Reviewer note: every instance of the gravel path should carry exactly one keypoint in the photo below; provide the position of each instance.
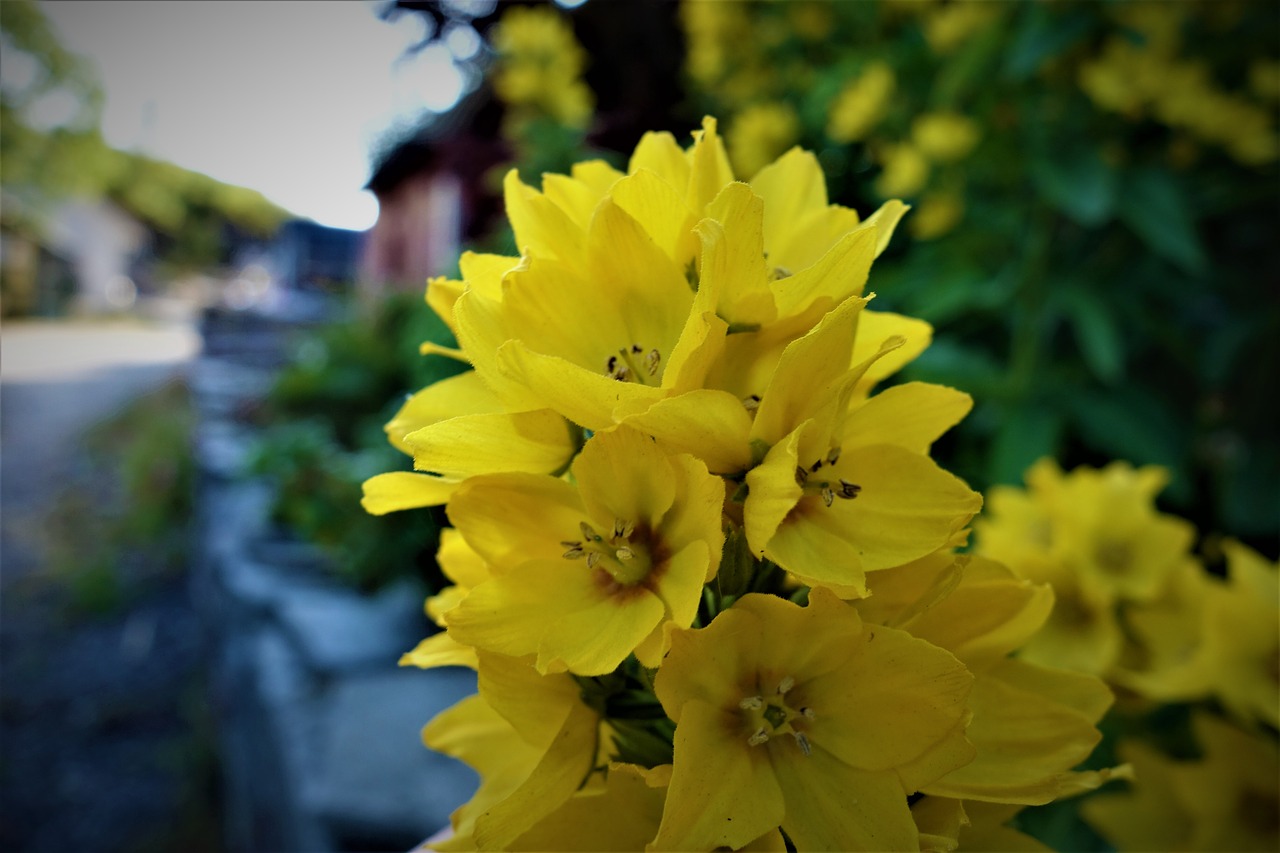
(99, 717)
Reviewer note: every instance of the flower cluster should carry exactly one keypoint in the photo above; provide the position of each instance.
(539, 67)
(705, 572)
(1135, 607)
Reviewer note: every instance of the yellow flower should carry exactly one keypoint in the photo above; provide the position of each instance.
(948, 26)
(584, 576)
(1096, 537)
(861, 104)
(937, 214)
(944, 137)
(759, 134)
(1031, 724)
(1228, 800)
(946, 825)
(530, 737)
(805, 718)
(540, 63)
(906, 171)
(1264, 78)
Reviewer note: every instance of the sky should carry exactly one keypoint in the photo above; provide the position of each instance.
(286, 98)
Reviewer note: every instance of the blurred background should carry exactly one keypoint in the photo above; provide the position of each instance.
(217, 221)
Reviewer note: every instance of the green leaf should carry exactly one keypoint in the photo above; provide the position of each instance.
(1044, 33)
(1028, 431)
(1096, 331)
(1130, 424)
(1078, 182)
(1156, 207)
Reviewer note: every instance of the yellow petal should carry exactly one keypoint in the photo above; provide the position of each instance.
(569, 615)
(439, 650)
(511, 518)
(874, 328)
(840, 273)
(539, 224)
(623, 474)
(733, 261)
(711, 425)
(723, 791)
(709, 168)
(622, 815)
(561, 770)
(397, 490)
(832, 806)
(535, 442)
(660, 153)
(586, 398)
(660, 209)
(912, 416)
(463, 394)
(442, 293)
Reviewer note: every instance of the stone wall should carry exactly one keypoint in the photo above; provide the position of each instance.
(318, 728)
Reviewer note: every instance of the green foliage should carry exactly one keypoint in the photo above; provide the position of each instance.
(323, 437)
(1106, 293)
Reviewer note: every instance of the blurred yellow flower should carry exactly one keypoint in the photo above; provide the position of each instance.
(944, 137)
(860, 105)
(947, 26)
(1228, 800)
(936, 214)
(759, 134)
(1264, 78)
(540, 64)
(906, 171)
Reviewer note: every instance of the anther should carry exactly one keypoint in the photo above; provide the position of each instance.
(803, 742)
(815, 466)
(651, 361)
(786, 684)
(592, 559)
(828, 495)
(833, 455)
(849, 490)
(637, 349)
(573, 553)
(807, 713)
(625, 553)
(760, 736)
(801, 475)
(752, 703)
(588, 533)
(751, 403)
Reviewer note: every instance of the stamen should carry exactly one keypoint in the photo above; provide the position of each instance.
(786, 684)
(568, 543)
(651, 362)
(624, 553)
(592, 559)
(751, 403)
(636, 349)
(801, 475)
(833, 456)
(815, 466)
(807, 713)
(752, 703)
(828, 496)
(780, 273)
(760, 736)
(574, 553)
(849, 490)
(803, 741)
(588, 533)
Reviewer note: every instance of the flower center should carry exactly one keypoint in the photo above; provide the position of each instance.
(768, 716)
(633, 364)
(624, 560)
(813, 482)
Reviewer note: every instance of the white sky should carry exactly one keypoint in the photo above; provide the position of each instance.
(283, 97)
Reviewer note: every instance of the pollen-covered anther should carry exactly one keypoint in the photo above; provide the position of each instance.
(828, 494)
(751, 403)
(803, 742)
(592, 559)
(623, 529)
(752, 703)
(833, 456)
(786, 684)
(758, 737)
(575, 550)
(588, 532)
(802, 476)
(651, 361)
(625, 553)
(848, 490)
(808, 714)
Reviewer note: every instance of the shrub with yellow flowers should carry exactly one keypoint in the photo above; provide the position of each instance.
(706, 573)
